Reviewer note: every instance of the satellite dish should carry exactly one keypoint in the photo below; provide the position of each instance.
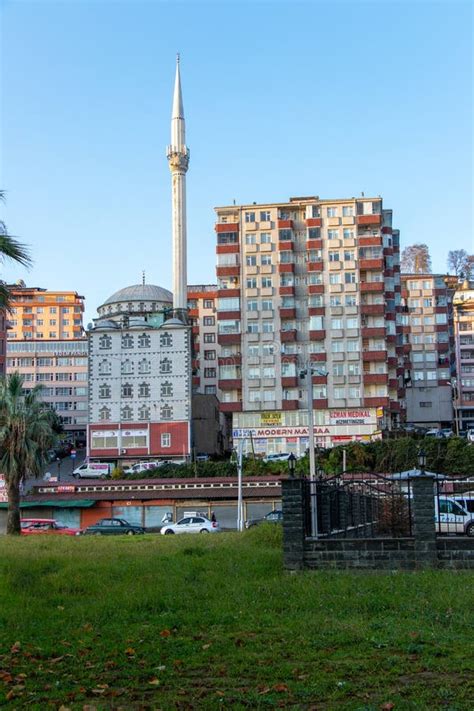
(90, 326)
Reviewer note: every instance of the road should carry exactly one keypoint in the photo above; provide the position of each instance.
(63, 471)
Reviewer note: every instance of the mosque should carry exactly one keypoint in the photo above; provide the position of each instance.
(140, 376)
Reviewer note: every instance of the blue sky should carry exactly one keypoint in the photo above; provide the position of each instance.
(281, 99)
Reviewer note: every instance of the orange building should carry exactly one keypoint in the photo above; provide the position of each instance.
(42, 314)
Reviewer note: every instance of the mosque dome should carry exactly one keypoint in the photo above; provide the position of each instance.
(139, 298)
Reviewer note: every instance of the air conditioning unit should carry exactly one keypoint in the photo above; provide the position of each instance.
(123, 451)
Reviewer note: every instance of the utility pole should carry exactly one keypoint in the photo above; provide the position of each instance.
(240, 507)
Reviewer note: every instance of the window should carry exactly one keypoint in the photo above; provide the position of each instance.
(252, 327)
(144, 412)
(166, 340)
(352, 323)
(105, 342)
(254, 396)
(210, 372)
(266, 282)
(268, 349)
(249, 217)
(331, 212)
(104, 391)
(348, 234)
(316, 300)
(336, 323)
(265, 260)
(251, 283)
(314, 232)
(209, 321)
(209, 338)
(269, 371)
(337, 346)
(53, 310)
(333, 234)
(227, 238)
(350, 300)
(104, 413)
(426, 404)
(353, 369)
(350, 278)
(165, 439)
(251, 238)
(335, 301)
(441, 319)
(127, 413)
(339, 393)
(209, 355)
(265, 216)
(229, 304)
(265, 238)
(267, 326)
(208, 303)
(352, 346)
(210, 389)
(267, 305)
(333, 256)
(354, 393)
(334, 278)
(165, 366)
(127, 390)
(347, 211)
(127, 367)
(251, 260)
(166, 389)
(252, 305)
(105, 368)
(52, 334)
(65, 322)
(338, 369)
(144, 341)
(284, 235)
(166, 412)
(349, 255)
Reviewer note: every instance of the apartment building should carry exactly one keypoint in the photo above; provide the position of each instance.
(42, 314)
(428, 349)
(308, 284)
(61, 368)
(3, 341)
(464, 334)
(202, 306)
(46, 344)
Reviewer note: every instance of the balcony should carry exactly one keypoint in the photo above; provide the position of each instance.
(316, 266)
(196, 380)
(373, 332)
(286, 268)
(287, 312)
(230, 406)
(227, 249)
(317, 310)
(227, 227)
(195, 330)
(320, 404)
(371, 264)
(314, 244)
(289, 381)
(230, 384)
(286, 245)
(289, 404)
(228, 293)
(375, 378)
(287, 290)
(376, 401)
(317, 335)
(370, 241)
(314, 222)
(369, 219)
(285, 224)
(316, 289)
(228, 270)
(372, 309)
(225, 339)
(373, 356)
(372, 287)
(286, 336)
(318, 357)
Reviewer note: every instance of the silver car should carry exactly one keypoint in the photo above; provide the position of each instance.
(191, 524)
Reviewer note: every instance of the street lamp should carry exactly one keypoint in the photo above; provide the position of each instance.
(309, 371)
(291, 465)
(421, 461)
(58, 460)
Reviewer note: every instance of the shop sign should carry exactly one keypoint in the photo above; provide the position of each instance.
(3, 489)
(351, 417)
(278, 432)
(270, 418)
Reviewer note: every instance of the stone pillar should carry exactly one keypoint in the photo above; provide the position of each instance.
(292, 491)
(424, 529)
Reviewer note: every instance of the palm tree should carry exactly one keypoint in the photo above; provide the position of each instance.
(26, 434)
(10, 248)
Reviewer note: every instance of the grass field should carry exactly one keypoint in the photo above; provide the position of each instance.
(214, 622)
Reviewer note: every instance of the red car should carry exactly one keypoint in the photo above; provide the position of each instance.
(32, 526)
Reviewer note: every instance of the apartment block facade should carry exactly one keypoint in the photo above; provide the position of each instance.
(428, 349)
(202, 307)
(309, 283)
(464, 332)
(3, 341)
(42, 314)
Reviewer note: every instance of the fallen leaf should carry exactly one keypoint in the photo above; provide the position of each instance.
(15, 648)
(60, 607)
(98, 691)
(154, 682)
(206, 646)
(280, 688)
(239, 642)
(165, 633)
(89, 707)
(5, 676)
(64, 708)
(56, 659)
(220, 693)
(263, 690)
(130, 651)
(87, 627)
(10, 695)
(388, 706)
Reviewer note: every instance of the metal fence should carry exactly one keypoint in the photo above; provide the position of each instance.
(454, 506)
(358, 506)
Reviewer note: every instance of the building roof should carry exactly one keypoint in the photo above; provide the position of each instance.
(140, 292)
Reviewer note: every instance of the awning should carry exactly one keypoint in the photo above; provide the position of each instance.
(77, 504)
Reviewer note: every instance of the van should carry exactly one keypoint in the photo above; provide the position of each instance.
(451, 517)
(92, 470)
(142, 467)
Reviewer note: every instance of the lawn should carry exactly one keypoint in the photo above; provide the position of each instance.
(209, 622)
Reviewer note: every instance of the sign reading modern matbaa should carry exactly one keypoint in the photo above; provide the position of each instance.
(270, 418)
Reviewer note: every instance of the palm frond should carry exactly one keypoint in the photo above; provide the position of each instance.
(11, 248)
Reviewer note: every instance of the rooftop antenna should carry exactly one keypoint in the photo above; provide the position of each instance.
(143, 277)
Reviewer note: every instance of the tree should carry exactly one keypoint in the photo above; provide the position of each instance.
(416, 259)
(461, 263)
(26, 434)
(10, 248)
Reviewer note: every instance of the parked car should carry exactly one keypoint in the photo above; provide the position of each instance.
(470, 435)
(271, 517)
(280, 457)
(33, 526)
(202, 457)
(92, 470)
(447, 432)
(451, 517)
(142, 467)
(111, 527)
(435, 433)
(191, 524)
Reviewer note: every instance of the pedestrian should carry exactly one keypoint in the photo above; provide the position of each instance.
(213, 518)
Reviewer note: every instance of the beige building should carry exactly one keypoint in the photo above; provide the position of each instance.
(464, 332)
(202, 307)
(42, 314)
(315, 284)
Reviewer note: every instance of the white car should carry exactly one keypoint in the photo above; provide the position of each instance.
(142, 467)
(470, 435)
(451, 517)
(92, 470)
(280, 457)
(191, 524)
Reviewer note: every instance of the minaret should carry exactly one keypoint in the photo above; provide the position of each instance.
(178, 159)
